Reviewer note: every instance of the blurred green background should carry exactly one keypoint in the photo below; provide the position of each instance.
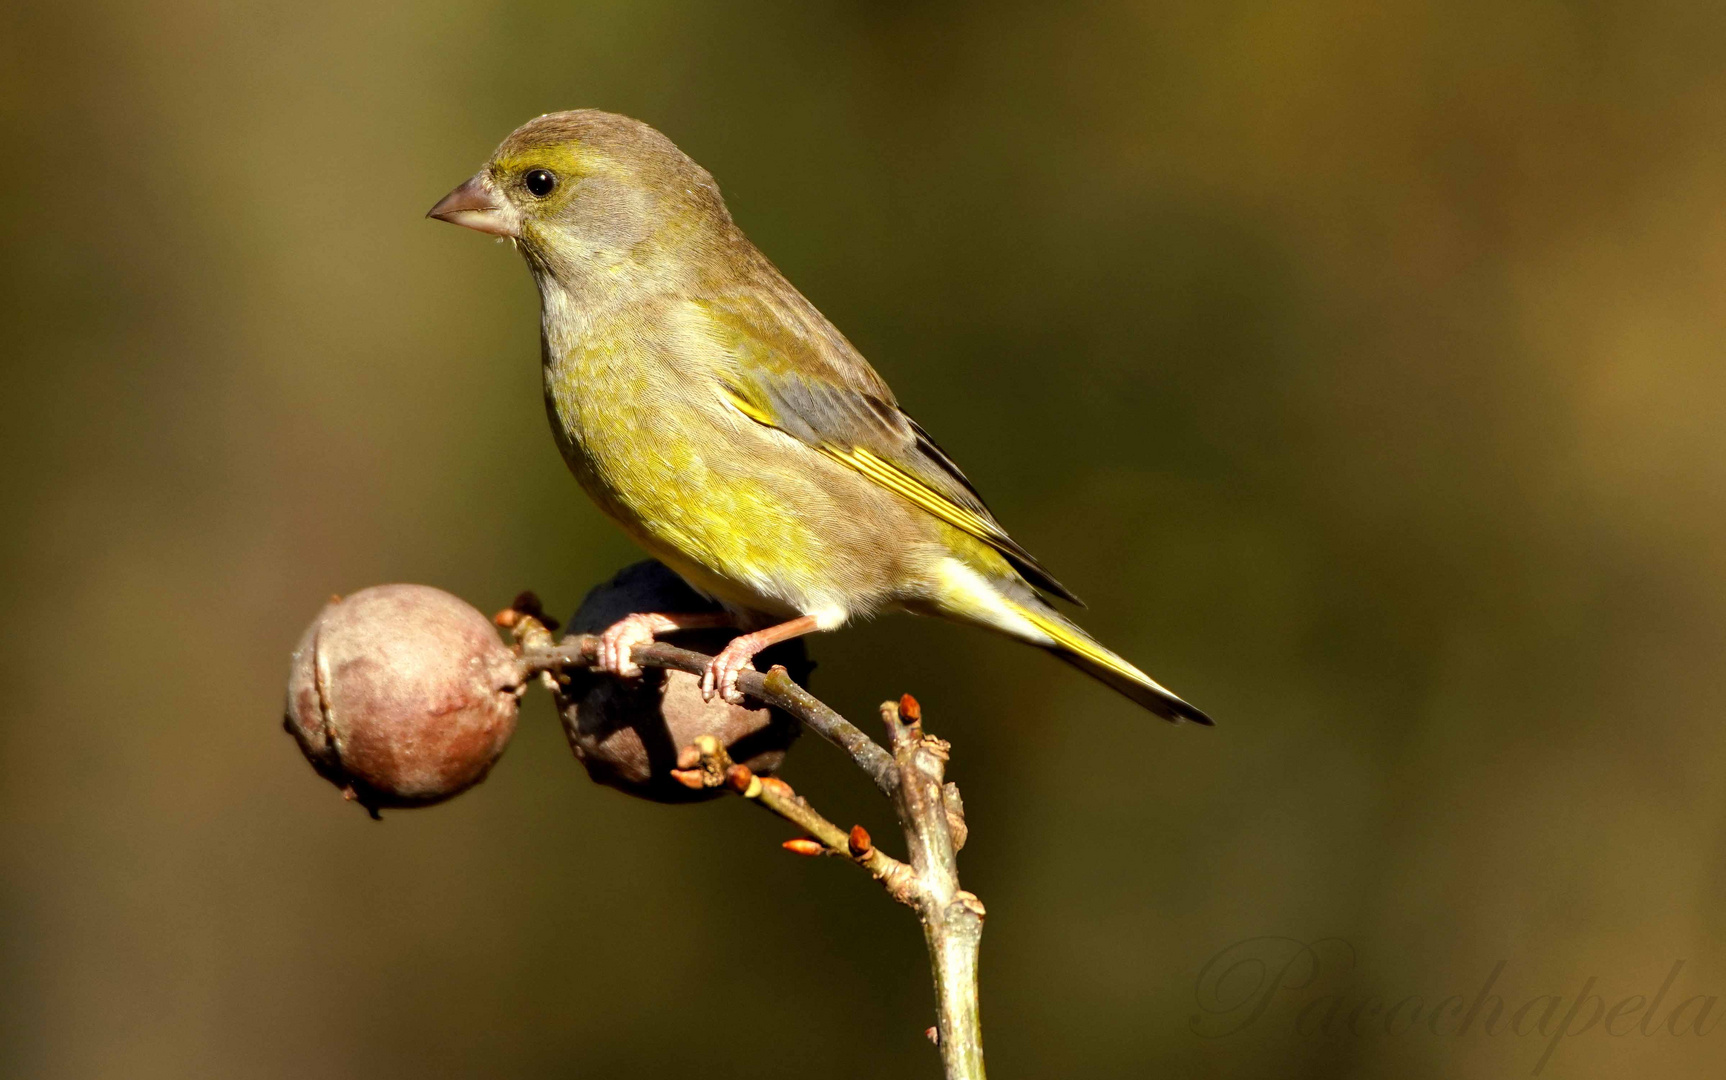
(1361, 363)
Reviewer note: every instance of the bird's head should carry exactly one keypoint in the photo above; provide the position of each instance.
(586, 189)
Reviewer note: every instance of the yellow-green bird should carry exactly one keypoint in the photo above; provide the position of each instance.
(729, 428)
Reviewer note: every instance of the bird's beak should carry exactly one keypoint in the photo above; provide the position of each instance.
(477, 205)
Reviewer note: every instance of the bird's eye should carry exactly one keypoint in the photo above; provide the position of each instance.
(539, 183)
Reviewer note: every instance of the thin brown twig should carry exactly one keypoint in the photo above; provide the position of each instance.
(706, 764)
(929, 884)
(775, 688)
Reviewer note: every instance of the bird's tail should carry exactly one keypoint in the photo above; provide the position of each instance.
(1082, 651)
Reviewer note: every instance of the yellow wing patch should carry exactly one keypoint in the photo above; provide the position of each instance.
(749, 409)
(889, 476)
(897, 480)
(975, 523)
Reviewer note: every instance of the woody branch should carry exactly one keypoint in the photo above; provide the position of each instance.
(910, 774)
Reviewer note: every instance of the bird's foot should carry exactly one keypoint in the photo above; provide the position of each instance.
(625, 634)
(620, 637)
(721, 675)
(722, 671)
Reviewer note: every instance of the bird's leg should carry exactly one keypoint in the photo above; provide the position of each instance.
(721, 675)
(640, 628)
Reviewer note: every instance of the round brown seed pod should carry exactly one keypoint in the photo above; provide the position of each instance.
(628, 732)
(402, 695)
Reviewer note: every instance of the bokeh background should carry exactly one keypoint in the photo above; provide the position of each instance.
(1360, 362)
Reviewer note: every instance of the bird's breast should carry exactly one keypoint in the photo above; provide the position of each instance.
(656, 446)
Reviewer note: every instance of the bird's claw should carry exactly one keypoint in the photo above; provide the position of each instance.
(619, 638)
(721, 675)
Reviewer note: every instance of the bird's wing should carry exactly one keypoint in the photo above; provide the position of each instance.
(790, 370)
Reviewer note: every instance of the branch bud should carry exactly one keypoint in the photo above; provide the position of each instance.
(909, 710)
(859, 842)
(738, 778)
(693, 779)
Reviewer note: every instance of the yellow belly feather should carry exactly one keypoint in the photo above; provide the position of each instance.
(679, 476)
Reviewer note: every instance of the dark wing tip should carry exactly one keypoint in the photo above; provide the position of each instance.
(1055, 588)
(1184, 711)
(1158, 701)
(1033, 570)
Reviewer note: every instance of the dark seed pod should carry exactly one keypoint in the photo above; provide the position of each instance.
(402, 695)
(628, 734)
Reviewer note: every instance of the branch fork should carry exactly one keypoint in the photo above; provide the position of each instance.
(910, 772)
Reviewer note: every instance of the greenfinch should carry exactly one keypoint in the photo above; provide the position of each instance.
(729, 428)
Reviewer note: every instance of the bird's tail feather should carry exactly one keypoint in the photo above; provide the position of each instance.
(1079, 649)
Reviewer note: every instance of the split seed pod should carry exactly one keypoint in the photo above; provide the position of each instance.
(628, 733)
(402, 695)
